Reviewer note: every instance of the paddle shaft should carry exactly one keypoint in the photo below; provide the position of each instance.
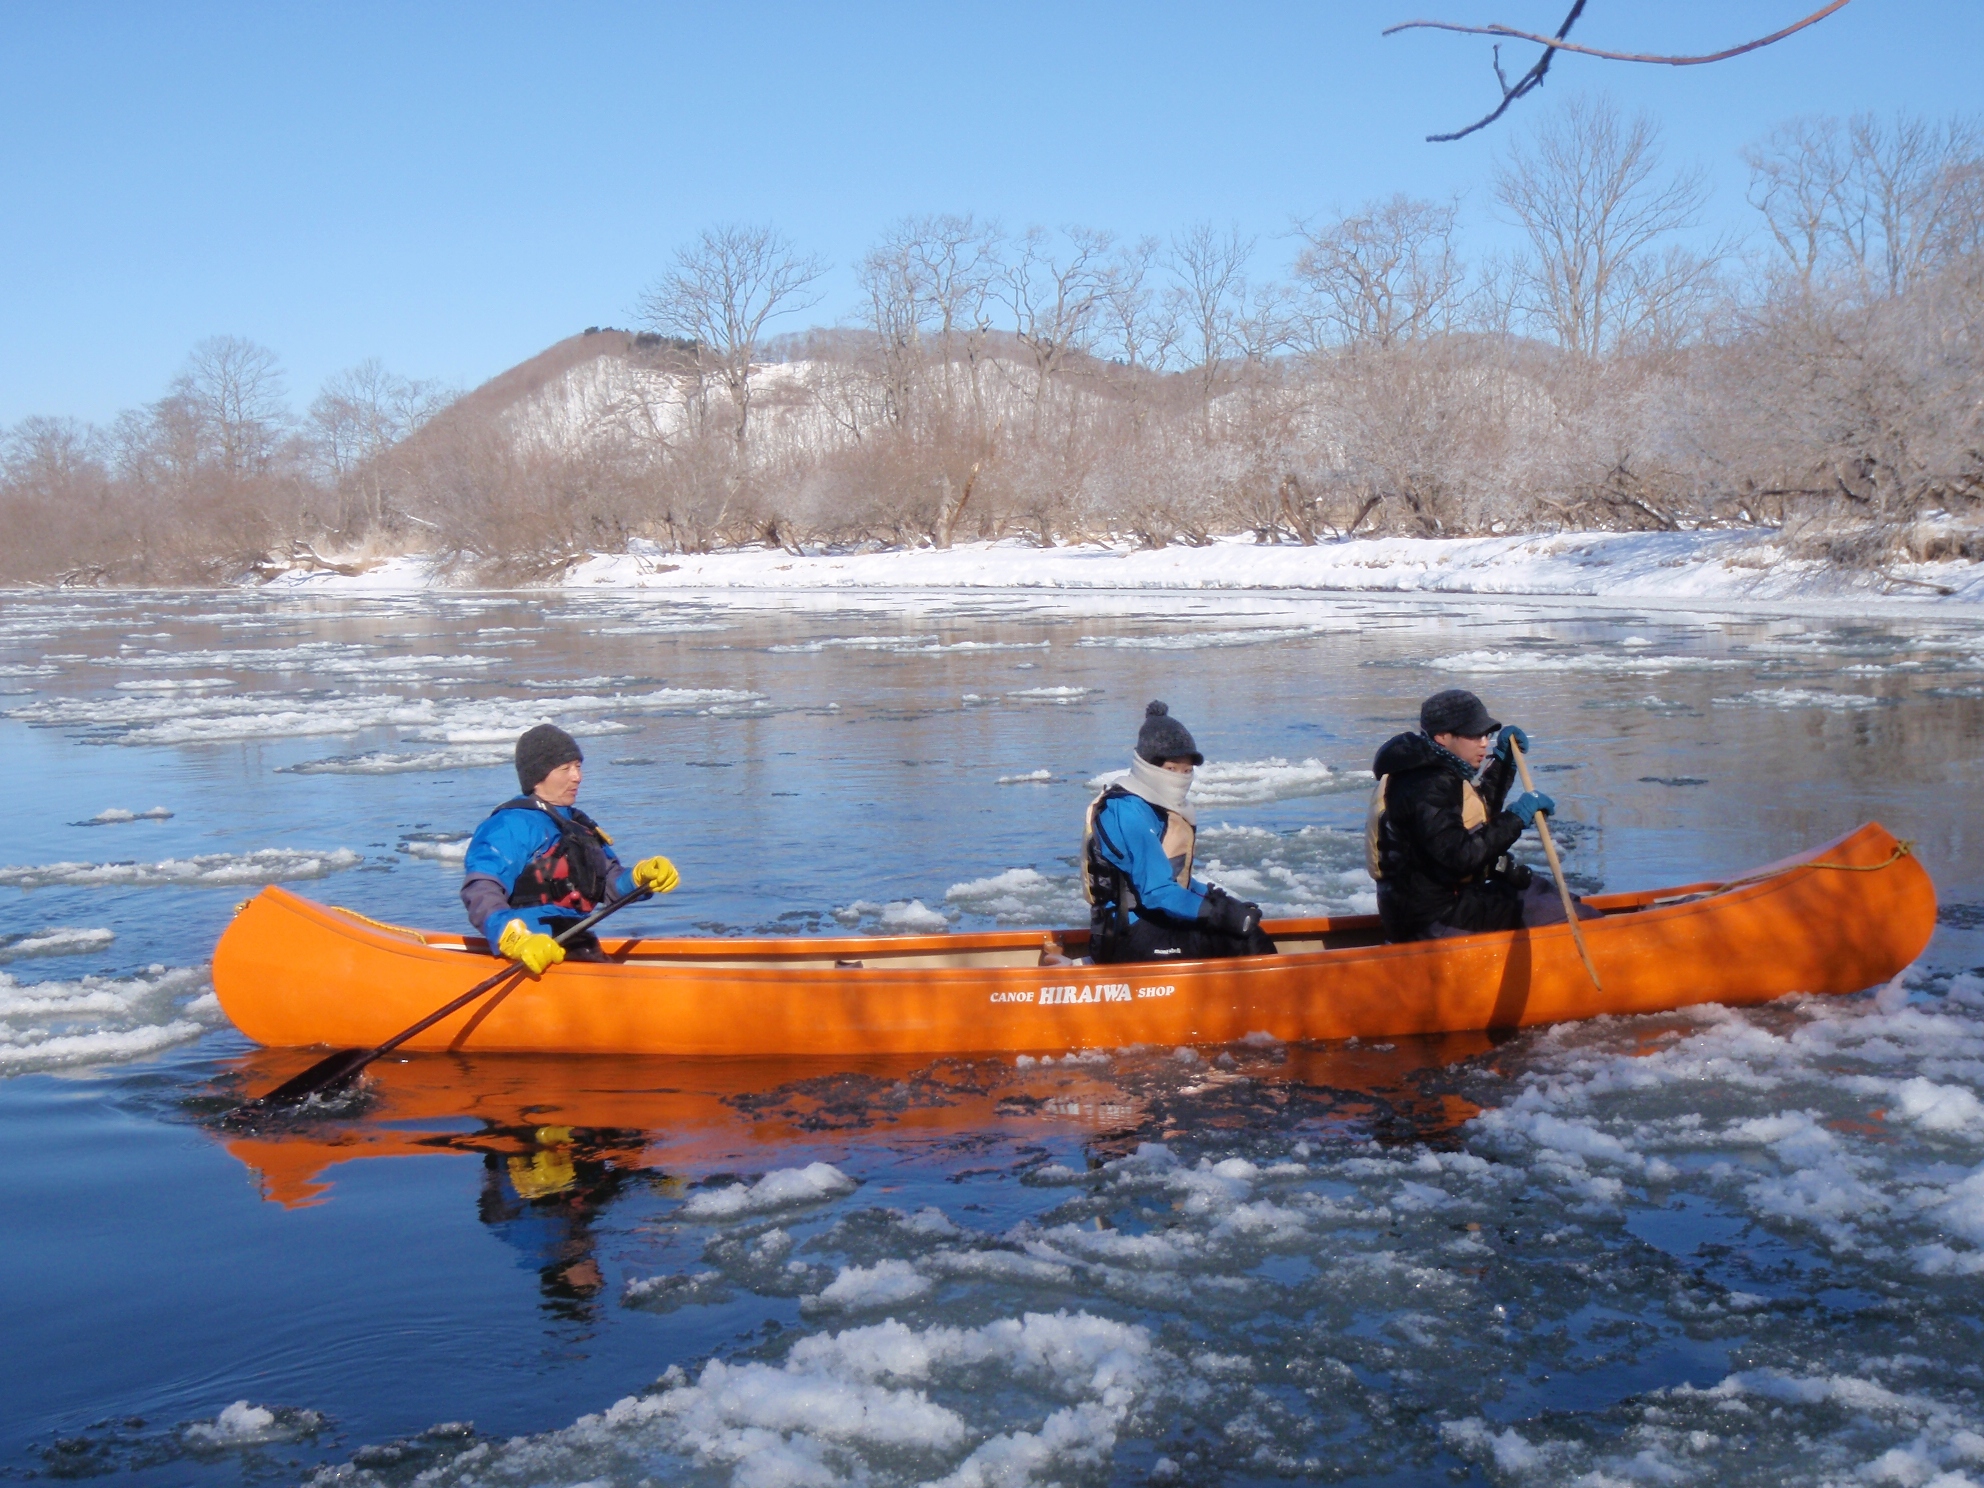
(1556, 868)
(337, 1068)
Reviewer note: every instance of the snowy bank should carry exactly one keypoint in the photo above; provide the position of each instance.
(1639, 566)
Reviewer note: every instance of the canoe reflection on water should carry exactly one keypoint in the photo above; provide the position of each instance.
(562, 1136)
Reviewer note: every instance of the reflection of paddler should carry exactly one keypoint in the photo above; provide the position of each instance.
(543, 1202)
(548, 1170)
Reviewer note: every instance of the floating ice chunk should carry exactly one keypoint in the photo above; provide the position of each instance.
(262, 866)
(1208, 639)
(1020, 895)
(115, 815)
(884, 1284)
(1805, 697)
(173, 684)
(1509, 1449)
(783, 1188)
(1053, 694)
(1037, 777)
(389, 762)
(930, 1220)
(1469, 663)
(439, 850)
(245, 1425)
(1938, 1108)
(903, 917)
(57, 942)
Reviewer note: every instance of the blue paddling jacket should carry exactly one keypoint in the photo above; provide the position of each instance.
(545, 865)
(1144, 850)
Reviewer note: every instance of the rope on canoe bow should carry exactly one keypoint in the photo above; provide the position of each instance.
(1904, 847)
(410, 934)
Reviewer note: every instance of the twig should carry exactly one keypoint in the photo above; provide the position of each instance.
(1533, 79)
(1558, 44)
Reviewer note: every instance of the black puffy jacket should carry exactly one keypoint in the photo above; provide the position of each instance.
(1434, 870)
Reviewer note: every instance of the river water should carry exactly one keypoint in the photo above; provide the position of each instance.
(1709, 1247)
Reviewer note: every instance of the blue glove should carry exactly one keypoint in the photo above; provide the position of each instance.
(1510, 733)
(1529, 803)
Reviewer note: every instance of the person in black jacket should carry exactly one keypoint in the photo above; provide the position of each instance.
(1438, 834)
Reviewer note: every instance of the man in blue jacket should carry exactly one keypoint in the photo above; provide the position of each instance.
(538, 865)
(1136, 861)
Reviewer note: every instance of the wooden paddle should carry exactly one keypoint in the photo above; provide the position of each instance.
(1556, 868)
(339, 1068)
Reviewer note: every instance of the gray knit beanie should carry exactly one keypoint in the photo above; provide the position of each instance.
(540, 751)
(1164, 738)
(1456, 711)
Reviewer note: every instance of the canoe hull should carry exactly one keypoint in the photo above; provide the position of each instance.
(1839, 919)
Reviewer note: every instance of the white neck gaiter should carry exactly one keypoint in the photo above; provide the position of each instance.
(1159, 786)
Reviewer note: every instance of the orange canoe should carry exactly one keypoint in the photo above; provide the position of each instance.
(1839, 918)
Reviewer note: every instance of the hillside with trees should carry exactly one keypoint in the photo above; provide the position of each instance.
(1823, 379)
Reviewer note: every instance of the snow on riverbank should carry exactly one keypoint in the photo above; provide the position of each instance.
(1638, 566)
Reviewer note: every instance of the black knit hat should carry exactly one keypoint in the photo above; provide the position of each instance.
(542, 750)
(1164, 738)
(1456, 711)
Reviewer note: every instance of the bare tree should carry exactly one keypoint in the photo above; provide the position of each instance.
(1591, 196)
(358, 417)
(1210, 299)
(1881, 202)
(1056, 293)
(722, 291)
(1389, 274)
(232, 391)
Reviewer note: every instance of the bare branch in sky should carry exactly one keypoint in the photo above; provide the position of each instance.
(1553, 44)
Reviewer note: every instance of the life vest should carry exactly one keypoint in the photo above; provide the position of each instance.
(571, 873)
(1104, 883)
(1473, 813)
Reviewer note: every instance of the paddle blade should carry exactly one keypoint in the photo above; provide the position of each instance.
(326, 1074)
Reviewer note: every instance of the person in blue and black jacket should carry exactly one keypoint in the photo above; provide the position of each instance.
(1137, 847)
(538, 865)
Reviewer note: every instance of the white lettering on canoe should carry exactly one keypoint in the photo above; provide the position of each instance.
(1012, 997)
(1164, 991)
(1102, 992)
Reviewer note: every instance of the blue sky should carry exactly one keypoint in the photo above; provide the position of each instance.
(452, 187)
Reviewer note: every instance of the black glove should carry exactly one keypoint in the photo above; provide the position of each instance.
(1230, 916)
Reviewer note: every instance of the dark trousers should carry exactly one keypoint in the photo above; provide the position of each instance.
(1540, 904)
(1148, 938)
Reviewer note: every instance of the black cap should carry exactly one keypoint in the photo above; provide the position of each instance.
(1456, 711)
(1164, 738)
(542, 750)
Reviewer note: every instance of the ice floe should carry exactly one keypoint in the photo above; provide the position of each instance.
(115, 816)
(265, 865)
(1805, 697)
(244, 1425)
(897, 917)
(101, 1019)
(62, 941)
(784, 1189)
(1022, 896)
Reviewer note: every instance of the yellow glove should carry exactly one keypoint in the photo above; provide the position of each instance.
(535, 951)
(657, 874)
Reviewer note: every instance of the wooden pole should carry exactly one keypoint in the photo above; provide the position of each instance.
(1556, 868)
